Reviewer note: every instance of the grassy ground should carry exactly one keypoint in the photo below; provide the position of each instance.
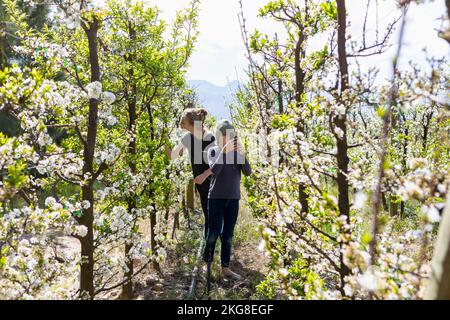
(176, 276)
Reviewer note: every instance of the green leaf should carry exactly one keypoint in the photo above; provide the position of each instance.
(366, 237)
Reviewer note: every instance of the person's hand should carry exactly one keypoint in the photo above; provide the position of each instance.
(229, 146)
(239, 147)
(200, 178)
(234, 145)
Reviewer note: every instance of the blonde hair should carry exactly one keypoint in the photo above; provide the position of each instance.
(194, 114)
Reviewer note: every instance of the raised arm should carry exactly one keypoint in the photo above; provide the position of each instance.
(246, 168)
(174, 153)
(242, 159)
(243, 162)
(177, 151)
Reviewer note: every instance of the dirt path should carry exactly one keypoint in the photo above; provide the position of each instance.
(176, 276)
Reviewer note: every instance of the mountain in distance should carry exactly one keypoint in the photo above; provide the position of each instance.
(215, 98)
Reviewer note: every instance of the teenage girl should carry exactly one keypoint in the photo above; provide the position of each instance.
(197, 141)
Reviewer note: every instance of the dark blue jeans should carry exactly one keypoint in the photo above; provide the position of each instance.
(203, 190)
(222, 217)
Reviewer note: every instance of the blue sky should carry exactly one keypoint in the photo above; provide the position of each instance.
(220, 56)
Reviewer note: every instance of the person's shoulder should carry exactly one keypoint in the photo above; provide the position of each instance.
(186, 138)
(208, 136)
(186, 135)
(213, 153)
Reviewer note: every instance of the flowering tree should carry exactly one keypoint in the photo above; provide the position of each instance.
(31, 263)
(339, 146)
(350, 171)
(151, 70)
(105, 170)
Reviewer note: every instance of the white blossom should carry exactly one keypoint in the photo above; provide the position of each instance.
(432, 213)
(359, 200)
(85, 204)
(108, 97)
(81, 230)
(368, 281)
(94, 89)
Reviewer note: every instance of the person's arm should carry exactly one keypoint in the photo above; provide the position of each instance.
(242, 159)
(243, 163)
(216, 163)
(217, 167)
(246, 168)
(212, 158)
(175, 152)
(216, 159)
(203, 176)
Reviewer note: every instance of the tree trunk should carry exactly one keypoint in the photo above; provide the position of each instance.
(186, 211)
(439, 283)
(445, 34)
(167, 210)
(190, 195)
(87, 218)
(299, 76)
(393, 208)
(153, 243)
(341, 123)
(384, 201)
(3, 57)
(426, 127)
(150, 185)
(280, 97)
(176, 224)
(447, 4)
(87, 245)
(299, 92)
(127, 288)
(402, 209)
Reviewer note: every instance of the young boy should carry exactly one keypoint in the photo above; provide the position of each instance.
(227, 160)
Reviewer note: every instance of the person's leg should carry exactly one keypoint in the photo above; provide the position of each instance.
(215, 212)
(203, 191)
(204, 202)
(229, 222)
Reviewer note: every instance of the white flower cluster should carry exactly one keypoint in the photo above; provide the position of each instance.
(133, 183)
(108, 155)
(13, 150)
(68, 165)
(38, 48)
(32, 272)
(108, 97)
(161, 255)
(107, 117)
(95, 91)
(121, 219)
(33, 267)
(421, 182)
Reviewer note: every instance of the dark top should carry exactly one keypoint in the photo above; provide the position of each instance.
(226, 169)
(198, 151)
